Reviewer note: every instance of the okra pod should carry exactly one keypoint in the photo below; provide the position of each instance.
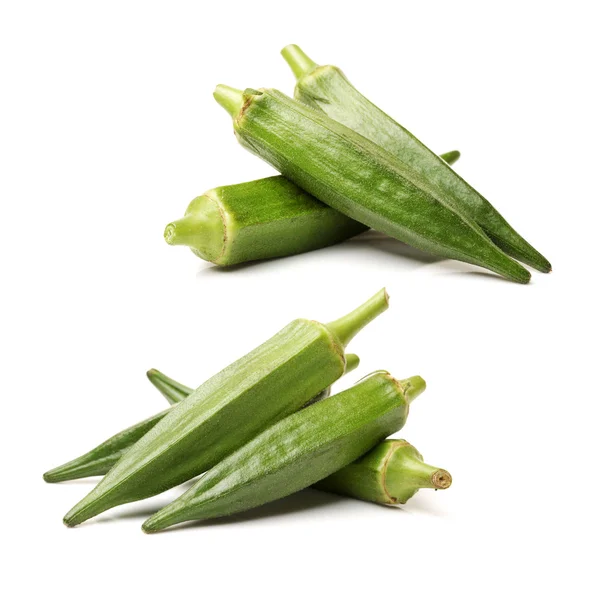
(327, 89)
(101, 459)
(231, 408)
(359, 178)
(297, 451)
(391, 473)
(266, 218)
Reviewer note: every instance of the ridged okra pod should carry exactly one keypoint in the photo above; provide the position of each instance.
(327, 89)
(101, 459)
(297, 451)
(266, 218)
(229, 409)
(391, 473)
(359, 178)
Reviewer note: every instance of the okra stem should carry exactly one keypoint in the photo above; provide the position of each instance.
(346, 327)
(183, 231)
(172, 390)
(231, 99)
(299, 62)
(352, 361)
(412, 387)
(406, 472)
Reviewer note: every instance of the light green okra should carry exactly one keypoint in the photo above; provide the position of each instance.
(231, 408)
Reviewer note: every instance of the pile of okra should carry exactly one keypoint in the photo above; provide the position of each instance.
(267, 425)
(345, 166)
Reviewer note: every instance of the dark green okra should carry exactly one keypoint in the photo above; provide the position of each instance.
(266, 218)
(101, 459)
(359, 178)
(390, 473)
(231, 408)
(327, 89)
(297, 451)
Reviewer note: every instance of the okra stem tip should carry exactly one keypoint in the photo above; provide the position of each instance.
(231, 99)
(349, 325)
(412, 387)
(352, 362)
(441, 479)
(170, 234)
(298, 61)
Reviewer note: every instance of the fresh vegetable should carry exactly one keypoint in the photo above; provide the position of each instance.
(327, 89)
(231, 408)
(391, 473)
(297, 451)
(260, 219)
(359, 178)
(101, 459)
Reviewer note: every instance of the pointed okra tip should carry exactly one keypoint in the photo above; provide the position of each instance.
(166, 517)
(51, 476)
(153, 374)
(298, 61)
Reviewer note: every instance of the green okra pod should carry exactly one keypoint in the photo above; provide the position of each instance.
(391, 473)
(266, 218)
(359, 178)
(101, 459)
(297, 451)
(229, 409)
(327, 89)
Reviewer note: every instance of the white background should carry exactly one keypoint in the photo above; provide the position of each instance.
(108, 129)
